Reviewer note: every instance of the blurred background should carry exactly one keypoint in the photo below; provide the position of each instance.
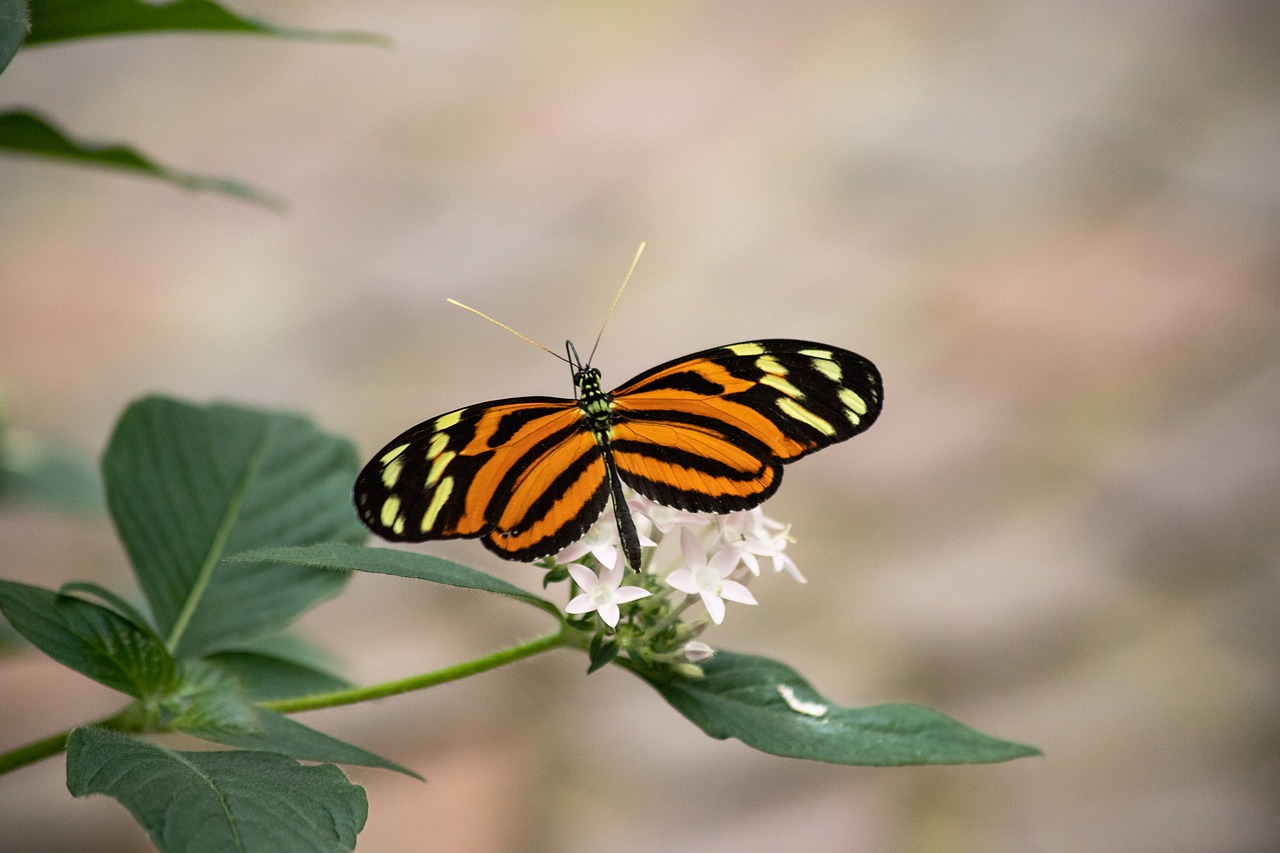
(1052, 225)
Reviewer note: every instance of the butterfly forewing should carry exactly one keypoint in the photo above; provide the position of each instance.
(454, 475)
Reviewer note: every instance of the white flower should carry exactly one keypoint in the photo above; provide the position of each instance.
(709, 578)
(603, 594)
(664, 517)
(760, 536)
(602, 541)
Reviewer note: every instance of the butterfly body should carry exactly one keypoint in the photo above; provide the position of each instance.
(708, 433)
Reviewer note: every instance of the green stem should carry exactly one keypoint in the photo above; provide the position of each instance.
(564, 637)
(50, 746)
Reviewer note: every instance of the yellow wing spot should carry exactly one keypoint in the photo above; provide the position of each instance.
(769, 364)
(439, 442)
(794, 410)
(854, 405)
(437, 467)
(782, 385)
(392, 454)
(437, 503)
(746, 349)
(390, 512)
(828, 368)
(445, 421)
(391, 472)
(822, 354)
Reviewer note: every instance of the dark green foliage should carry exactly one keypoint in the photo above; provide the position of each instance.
(219, 801)
(188, 485)
(767, 705)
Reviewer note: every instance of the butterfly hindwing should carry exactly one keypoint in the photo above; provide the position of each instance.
(710, 432)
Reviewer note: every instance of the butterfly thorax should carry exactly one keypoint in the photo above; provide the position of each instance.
(595, 402)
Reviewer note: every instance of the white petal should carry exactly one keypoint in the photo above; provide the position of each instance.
(610, 613)
(629, 593)
(606, 553)
(694, 556)
(572, 552)
(682, 579)
(735, 591)
(580, 604)
(715, 607)
(611, 575)
(784, 563)
(584, 577)
(723, 562)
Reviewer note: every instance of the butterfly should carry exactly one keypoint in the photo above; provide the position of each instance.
(709, 432)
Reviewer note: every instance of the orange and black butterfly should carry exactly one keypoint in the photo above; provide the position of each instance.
(709, 432)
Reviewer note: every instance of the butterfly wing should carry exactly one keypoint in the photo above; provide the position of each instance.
(710, 432)
(524, 473)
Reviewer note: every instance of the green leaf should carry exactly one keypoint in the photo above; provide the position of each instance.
(601, 651)
(109, 598)
(36, 471)
(57, 20)
(92, 640)
(405, 564)
(204, 697)
(265, 677)
(188, 484)
(24, 132)
(272, 732)
(290, 646)
(14, 25)
(768, 706)
(10, 639)
(211, 802)
(280, 666)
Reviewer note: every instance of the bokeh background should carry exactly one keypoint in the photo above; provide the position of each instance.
(1052, 224)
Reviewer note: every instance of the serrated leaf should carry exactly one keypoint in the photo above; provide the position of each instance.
(188, 484)
(272, 732)
(265, 677)
(14, 25)
(404, 564)
(212, 802)
(88, 638)
(25, 132)
(57, 20)
(768, 706)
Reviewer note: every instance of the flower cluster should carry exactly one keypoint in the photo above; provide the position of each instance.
(687, 559)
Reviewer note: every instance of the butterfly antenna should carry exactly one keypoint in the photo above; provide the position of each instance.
(524, 338)
(616, 297)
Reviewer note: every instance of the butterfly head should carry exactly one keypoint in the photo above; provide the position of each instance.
(587, 382)
(586, 379)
